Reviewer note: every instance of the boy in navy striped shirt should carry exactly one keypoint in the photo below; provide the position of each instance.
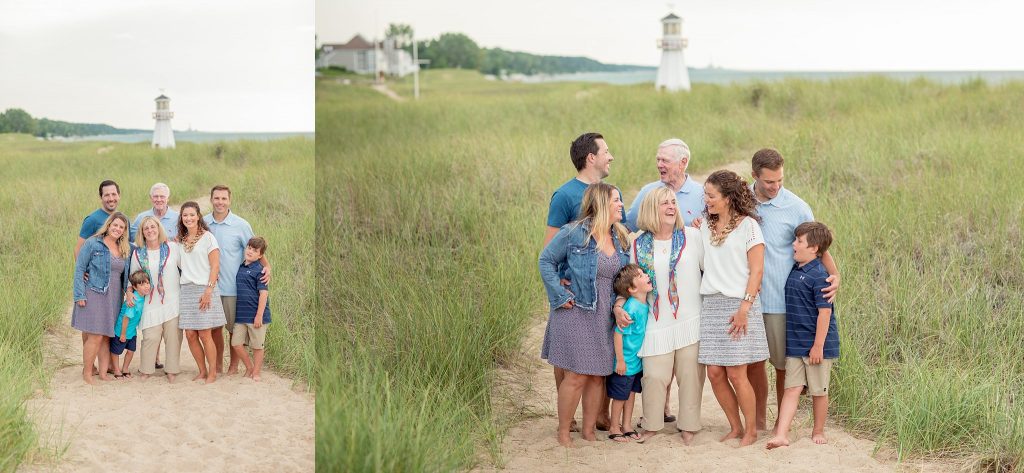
(812, 339)
(252, 309)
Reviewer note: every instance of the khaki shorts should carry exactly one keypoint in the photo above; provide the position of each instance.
(248, 334)
(229, 303)
(775, 331)
(800, 372)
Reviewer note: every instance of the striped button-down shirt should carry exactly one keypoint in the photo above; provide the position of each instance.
(779, 219)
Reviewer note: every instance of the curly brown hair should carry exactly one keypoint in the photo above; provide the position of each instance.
(734, 188)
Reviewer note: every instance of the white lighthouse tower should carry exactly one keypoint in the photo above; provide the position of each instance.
(163, 135)
(672, 73)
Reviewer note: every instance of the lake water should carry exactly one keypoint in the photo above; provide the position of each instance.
(728, 76)
(191, 136)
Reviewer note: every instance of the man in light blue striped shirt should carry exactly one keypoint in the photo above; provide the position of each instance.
(781, 211)
(673, 158)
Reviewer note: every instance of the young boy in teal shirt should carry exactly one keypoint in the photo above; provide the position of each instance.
(127, 325)
(624, 383)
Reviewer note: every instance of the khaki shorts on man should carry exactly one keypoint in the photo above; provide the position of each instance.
(800, 372)
(775, 331)
(248, 334)
(229, 303)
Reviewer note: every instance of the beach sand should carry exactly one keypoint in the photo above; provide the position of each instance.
(150, 425)
(526, 392)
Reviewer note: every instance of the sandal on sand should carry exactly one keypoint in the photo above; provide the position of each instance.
(632, 434)
(117, 376)
(127, 376)
(159, 366)
(621, 438)
(670, 418)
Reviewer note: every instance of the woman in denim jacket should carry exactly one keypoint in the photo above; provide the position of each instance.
(578, 337)
(98, 300)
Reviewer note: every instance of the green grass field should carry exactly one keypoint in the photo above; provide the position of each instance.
(49, 187)
(431, 216)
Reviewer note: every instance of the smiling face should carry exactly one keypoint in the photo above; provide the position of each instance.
(667, 210)
(189, 218)
(671, 171)
(717, 204)
(602, 161)
(110, 198)
(159, 199)
(221, 201)
(117, 228)
(767, 184)
(615, 207)
(642, 284)
(150, 231)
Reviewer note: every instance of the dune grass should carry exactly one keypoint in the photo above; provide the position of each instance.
(49, 187)
(431, 215)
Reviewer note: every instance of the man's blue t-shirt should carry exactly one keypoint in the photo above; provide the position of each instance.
(803, 299)
(92, 223)
(633, 335)
(247, 280)
(565, 203)
(133, 313)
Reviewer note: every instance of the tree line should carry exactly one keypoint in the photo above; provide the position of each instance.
(456, 50)
(16, 120)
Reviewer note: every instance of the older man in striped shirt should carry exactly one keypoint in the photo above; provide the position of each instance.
(780, 211)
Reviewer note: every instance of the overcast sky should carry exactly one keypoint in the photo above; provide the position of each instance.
(737, 34)
(227, 65)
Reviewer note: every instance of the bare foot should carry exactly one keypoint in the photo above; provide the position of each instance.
(170, 378)
(748, 439)
(565, 440)
(248, 374)
(646, 435)
(143, 376)
(777, 442)
(687, 437)
(819, 438)
(732, 434)
(199, 376)
(211, 378)
(88, 379)
(255, 376)
(231, 371)
(104, 377)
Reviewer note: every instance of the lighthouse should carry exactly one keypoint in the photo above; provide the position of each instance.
(163, 135)
(672, 73)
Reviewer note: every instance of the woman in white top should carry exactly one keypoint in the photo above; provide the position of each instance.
(732, 332)
(201, 309)
(672, 256)
(159, 258)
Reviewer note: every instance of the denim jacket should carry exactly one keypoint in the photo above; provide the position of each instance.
(571, 246)
(94, 258)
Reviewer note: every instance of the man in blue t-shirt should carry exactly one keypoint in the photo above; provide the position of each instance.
(812, 338)
(110, 197)
(673, 158)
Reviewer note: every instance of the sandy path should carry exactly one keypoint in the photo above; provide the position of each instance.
(531, 445)
(384, 89)
(150, 425)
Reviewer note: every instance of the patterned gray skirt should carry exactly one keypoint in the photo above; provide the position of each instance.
(191, 317)
(717, 348)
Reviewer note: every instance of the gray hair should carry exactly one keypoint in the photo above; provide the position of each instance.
(679, 149)
(159, 186)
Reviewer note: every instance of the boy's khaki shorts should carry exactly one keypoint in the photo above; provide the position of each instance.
(248, 334)
(800, 372)
(775, 332)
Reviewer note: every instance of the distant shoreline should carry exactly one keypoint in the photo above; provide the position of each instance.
(187, 136)
(728, 76)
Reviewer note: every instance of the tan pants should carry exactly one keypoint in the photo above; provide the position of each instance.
(151, 346)
(690, 377)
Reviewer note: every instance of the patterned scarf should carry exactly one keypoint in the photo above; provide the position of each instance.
(643, 247)
(143, 258)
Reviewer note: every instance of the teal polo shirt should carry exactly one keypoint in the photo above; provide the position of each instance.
(232, 234)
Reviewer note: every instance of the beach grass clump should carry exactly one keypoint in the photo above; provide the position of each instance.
(49, 187)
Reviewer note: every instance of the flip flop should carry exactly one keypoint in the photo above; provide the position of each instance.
(621, 438)
(127, 376)
(117, 376)
(159, 366)
(632, 434)
(670, 418)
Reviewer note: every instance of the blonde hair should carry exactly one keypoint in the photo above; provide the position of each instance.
(596, 207)
(140, 239)
(649, 218)
(122, 241)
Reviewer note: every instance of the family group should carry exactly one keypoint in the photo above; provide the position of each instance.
(166, 272)
(695, 281)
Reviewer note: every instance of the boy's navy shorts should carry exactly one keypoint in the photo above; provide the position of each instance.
(117, 347)
(619, 386)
